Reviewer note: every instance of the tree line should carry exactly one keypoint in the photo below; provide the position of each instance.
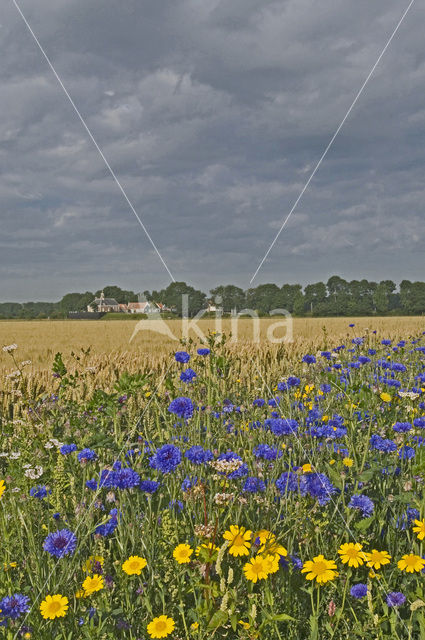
(336, 297)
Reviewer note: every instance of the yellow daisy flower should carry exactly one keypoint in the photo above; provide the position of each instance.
(2, 487)
(54, 607)
(271, 563)
(134, 565)
(376, 559)
(92, 584)
(182, 553)
(255, 569)
(347, 462)
(161, 627)
(351, 554)
(320, 569)
(410, 563)
(419, 529)
(269, 545)
(385, 397)
(239, 539)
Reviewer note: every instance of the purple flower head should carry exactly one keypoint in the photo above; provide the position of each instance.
(182, 407)
(363, 504)
(60, 543)
(266, 452)
(402, 427)
(188, 375)
(281, 426)
(395, 599)
(203, 352)
(309, 359)
(68, 448)
(166, 459)
(293, 381)
(182, 356)
(15, 606)
(406, 453)
(358, 590)
(40, 491)
(254, 485)
(198, 455)
(86, 454)
(149, 486)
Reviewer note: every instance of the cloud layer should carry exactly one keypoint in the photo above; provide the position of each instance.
(212, 115)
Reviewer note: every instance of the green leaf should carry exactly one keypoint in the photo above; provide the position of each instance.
(218, 620)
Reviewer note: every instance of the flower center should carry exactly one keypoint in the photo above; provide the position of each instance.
(55, 606)
(161, 625)
(320, 567)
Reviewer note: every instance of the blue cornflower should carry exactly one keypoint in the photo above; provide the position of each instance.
(68, 448)
(188, 375)
(254, 485)
(40, 491)
(86, 454)
(14, 606)
(309, 359)
(382, 444)
(166, 459)
(281, 426)
(402, 427)
(198, 455)
(287, 481)
(259, 402)
(395, 599)
(386, 343)
(60, 543)
(406, 453)
(182, 407)
(204, 352)
(125, 478)
(363, 503)
(293, 381)
(357, 341)
(325, 388)
(109, 527)
(266, 452)
(182, 356)
(91, 484)
(149, 486)
(358, 590)
(317, 485)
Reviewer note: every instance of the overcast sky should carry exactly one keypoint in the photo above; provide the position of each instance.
(212, 114)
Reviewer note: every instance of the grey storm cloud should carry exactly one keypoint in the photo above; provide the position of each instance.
(212, 115)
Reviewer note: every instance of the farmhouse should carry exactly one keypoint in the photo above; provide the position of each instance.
(142, 307)
(103, 305)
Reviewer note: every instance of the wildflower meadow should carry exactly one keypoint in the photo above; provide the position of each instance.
(228, 496)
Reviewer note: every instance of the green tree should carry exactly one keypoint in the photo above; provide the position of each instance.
(172, 297)
(232, 297)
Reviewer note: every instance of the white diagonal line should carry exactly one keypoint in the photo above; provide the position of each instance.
(322, 157)
(102, 155)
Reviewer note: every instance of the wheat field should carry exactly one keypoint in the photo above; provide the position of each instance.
(109, 342)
